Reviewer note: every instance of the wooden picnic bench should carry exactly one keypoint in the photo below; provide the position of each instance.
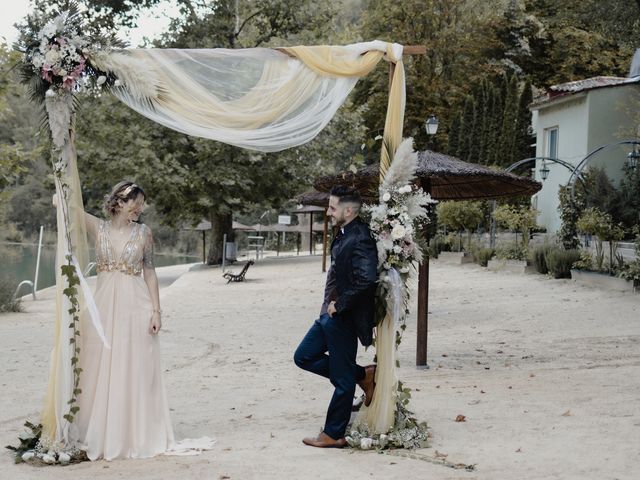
(238, 277)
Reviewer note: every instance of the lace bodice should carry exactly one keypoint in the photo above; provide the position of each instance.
(136, 253)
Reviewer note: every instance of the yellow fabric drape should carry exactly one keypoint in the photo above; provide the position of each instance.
(332, 61)
(379, 416)
(60, 387)
(392, 135)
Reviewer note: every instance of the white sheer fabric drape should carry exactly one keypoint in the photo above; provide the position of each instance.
(260, 99)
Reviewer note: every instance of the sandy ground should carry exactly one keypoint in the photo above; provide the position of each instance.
(546, 372)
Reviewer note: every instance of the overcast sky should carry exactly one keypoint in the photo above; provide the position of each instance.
(152, 23)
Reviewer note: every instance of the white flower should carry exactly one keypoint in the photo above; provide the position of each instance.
(26, 456)
(37, 60)
(48, 458)
(117, 83)
(366, 443)
(405, 189)
(383, 440)
(402, 270)
(378, 137)
(64, 458)
(397, 249)
(101, 80)
(386, 197)
(50, 93)
(398, 232)
(52, 56)
(387, 243)
(48, 31)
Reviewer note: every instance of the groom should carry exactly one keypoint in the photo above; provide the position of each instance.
(347, 314)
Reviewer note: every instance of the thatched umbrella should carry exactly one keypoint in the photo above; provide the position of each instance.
(445, 178)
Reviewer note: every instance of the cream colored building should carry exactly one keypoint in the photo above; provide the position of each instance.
(576, 118)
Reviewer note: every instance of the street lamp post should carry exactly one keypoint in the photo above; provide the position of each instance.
(632, 159)
(431, 127)
(633, 156)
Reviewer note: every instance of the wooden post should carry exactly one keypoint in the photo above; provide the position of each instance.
(310, 233)
(423, 314)
(204, 247)
(422, 320)
(325, 235)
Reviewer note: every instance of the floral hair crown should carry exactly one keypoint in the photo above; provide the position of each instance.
(127, 190)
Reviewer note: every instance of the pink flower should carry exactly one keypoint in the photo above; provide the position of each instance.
(68, 82)
(46, 75)
(408, 248)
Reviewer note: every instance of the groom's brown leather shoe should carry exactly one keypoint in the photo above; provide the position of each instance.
(368, 383)
(324, 441)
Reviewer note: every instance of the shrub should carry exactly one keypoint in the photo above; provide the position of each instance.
(511, 252)
(560, 261)
(539, 258)
(7, 302)
(438, 244)
(585, 262)
(482, 255)
(454, 239)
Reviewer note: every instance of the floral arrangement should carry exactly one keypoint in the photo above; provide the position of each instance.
(57, 55)
(37, 450)
(396, 224)
(60, 57)
(407, 432)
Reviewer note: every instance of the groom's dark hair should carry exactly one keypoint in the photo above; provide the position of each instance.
(346, 195)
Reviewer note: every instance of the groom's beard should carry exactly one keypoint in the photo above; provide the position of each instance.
(337, 222)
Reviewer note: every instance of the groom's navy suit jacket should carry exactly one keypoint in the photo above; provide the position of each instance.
(351, 280)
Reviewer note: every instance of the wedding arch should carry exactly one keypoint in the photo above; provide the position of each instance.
(261, 99)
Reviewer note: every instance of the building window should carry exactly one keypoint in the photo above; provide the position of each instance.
(552, 142)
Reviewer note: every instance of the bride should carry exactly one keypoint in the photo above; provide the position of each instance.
(123, 405)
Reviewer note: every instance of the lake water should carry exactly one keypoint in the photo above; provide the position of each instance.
(18, 262)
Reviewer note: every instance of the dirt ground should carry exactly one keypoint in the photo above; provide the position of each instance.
(546, 372)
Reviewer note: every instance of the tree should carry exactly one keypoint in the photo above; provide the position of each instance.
(593, 221)
(555, 42)
(459, 216)
(459, 43)
(518, 219)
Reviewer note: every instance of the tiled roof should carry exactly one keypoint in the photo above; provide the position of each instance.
(591, 83)
(569, 88)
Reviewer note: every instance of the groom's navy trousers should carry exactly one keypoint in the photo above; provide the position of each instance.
(338, 337)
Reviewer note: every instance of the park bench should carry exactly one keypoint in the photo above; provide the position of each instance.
(238, 277)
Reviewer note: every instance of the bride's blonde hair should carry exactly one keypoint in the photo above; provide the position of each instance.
(122, 191)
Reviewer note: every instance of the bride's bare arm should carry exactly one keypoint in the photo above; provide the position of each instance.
(151, 279)
(91, 222)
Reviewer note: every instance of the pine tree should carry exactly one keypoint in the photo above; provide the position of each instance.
(466, 129)
(524, 138)
(495, 125)
(454, 135)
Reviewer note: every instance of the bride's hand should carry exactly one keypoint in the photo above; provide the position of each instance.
(155, 324)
